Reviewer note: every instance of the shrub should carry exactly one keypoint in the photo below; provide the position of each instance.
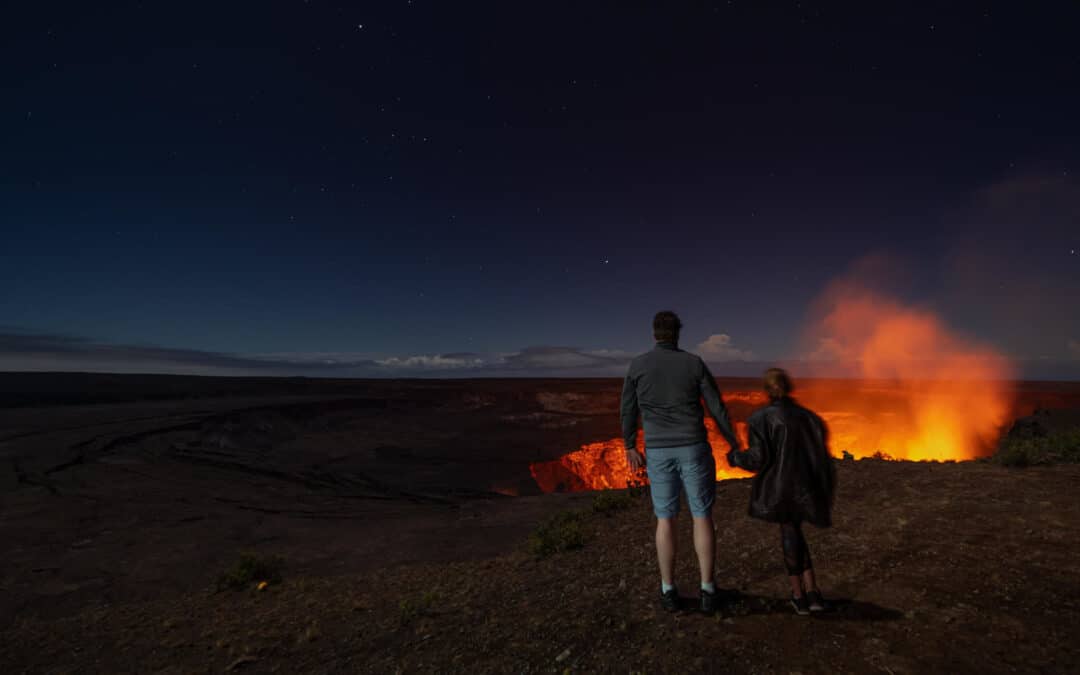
(610, 501)
(1012, 454)
(561, 532)
(250, 569)
(409, 608)
(1061, 446)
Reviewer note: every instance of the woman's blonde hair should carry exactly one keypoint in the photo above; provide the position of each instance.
(777, 383)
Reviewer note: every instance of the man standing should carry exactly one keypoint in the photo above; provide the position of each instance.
(666, 386)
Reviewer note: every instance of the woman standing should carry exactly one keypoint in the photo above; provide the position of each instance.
(795, 480)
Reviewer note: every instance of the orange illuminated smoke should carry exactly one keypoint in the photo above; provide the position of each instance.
(924, 393)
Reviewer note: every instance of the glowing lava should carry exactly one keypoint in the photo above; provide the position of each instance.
(603, 465)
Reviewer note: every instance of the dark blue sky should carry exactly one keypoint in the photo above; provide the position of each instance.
(364, 182)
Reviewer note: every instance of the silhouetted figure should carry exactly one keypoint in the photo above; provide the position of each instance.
(666, 386)
(795, 480)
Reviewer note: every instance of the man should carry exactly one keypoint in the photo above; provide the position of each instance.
(666, 386)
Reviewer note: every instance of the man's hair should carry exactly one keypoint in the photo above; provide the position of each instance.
(666, 326)
(777, 383)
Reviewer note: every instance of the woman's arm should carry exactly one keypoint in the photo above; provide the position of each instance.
(754, 458)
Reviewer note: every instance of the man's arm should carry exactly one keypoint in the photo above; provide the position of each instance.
(716, 406)
(629, 412)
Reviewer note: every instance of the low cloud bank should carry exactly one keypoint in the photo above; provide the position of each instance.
(30, 351)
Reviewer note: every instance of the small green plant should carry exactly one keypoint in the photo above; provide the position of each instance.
(250, 569)
(609, 501)
(561, 532)
(1062, 446)
(410, 608)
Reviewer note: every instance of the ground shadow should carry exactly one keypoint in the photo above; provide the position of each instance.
(735, 603)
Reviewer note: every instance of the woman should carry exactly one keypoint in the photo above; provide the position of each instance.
(794, 483)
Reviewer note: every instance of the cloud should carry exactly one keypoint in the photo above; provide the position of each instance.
(433, 362)
(564, 359)
(719, 347)
(31, 351)
(27, 351)
(319, 358)
(20, 350)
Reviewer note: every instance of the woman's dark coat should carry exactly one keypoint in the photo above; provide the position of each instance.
(789, 453)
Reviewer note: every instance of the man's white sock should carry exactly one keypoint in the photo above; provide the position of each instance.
(664, 588)
(708, 586)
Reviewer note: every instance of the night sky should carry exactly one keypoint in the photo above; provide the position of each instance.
(436, 188)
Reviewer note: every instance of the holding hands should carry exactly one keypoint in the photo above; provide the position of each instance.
(733, 456)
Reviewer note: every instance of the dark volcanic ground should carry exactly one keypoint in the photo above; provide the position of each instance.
(154, 493)
(131, 499)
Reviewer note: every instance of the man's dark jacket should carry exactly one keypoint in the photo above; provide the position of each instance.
(666, 386)
(789, 451)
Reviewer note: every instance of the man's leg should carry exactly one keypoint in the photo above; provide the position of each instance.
(664, 487)
(705, 545)
(665, 549)
(698, 472)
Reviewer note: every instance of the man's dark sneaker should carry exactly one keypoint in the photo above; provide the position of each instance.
(670, 600)
(816, 602)
(802, 608)
(710, 602)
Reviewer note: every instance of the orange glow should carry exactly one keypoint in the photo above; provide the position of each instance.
(921, 393)
(926, 393)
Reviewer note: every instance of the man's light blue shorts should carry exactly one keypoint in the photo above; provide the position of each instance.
(689, 467)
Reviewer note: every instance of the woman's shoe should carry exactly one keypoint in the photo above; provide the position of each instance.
(802, 608)
(816, 602)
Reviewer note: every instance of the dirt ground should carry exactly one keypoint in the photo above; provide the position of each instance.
(403, 552)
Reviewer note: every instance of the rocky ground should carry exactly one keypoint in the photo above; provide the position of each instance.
(402, 551)
(934, 568)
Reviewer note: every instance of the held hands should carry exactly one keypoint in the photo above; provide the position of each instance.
(732, 457)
